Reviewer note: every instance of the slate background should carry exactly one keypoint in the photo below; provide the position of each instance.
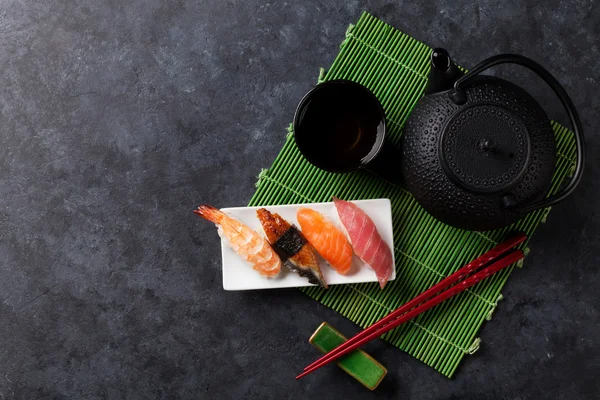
(118, 118)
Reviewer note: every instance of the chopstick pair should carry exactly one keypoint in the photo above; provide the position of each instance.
(496, 259)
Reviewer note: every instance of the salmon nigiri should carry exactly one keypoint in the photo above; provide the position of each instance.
(297, 254)
(365, 239)
(244, 241)
(326, 238)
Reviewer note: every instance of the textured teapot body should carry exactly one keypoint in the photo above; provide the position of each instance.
(472, 163)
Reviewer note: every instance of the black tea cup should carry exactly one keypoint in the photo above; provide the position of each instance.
(339, 126)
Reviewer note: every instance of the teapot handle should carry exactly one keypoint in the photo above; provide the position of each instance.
(458, 96)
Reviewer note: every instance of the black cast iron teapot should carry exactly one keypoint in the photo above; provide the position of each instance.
(478, 151)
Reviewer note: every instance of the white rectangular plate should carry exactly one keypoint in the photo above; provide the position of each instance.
(239, 275)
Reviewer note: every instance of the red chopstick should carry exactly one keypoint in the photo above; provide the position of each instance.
(416, 306)
(459, 275)
(472, 280)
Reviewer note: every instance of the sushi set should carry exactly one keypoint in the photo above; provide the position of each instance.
(305, 244)
(477, 153)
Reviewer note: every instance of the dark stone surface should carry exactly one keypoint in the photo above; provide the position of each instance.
(118, 118)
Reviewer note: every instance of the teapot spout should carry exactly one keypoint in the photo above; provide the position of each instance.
(443, 73)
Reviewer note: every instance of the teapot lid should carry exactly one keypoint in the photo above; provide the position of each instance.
(485, 147)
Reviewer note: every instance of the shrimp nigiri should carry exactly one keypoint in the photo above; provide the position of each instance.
(247, 243)
(326, 238)
(365, 239)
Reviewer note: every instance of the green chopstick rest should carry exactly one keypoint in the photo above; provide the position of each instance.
(357, 364)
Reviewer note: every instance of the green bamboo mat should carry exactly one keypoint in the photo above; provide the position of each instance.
(394, 66)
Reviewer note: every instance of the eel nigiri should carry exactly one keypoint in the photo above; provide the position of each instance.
(365, 239)
(293, 248)
(326, 238)
(244, 241)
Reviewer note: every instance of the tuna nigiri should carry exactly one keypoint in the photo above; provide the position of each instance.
(326, 238)
(297, 254)
(244, 241)
(365, 239)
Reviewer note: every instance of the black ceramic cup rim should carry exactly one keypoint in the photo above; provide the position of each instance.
(314, 92)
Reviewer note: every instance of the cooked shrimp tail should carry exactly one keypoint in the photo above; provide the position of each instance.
(210, 213)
